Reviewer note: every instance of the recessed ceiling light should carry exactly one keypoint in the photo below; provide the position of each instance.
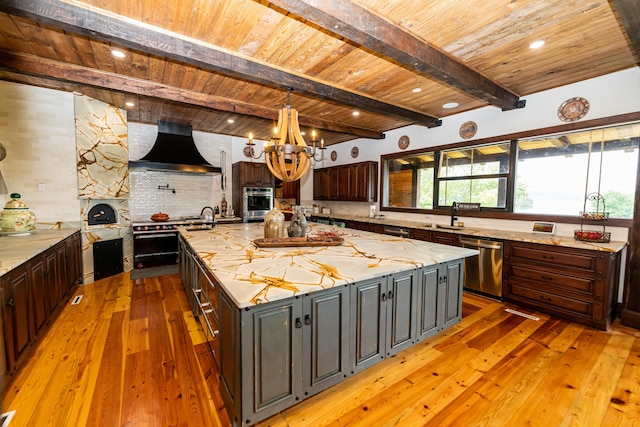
(118, 53)
(417, 90)
(537, 44)
(230, 120)
(356, 113)
(450, 105)
(129, 104)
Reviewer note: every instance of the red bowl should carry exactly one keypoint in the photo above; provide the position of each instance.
(159, 217)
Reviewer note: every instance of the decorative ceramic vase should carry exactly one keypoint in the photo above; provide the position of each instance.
(276, 215)
(294, 229)
(271, 229)
(302, 221)
(16, 216)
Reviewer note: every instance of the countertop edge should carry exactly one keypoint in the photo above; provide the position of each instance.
(21, 249)
(516, 236)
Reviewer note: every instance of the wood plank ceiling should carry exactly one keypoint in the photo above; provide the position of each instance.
(206, 62)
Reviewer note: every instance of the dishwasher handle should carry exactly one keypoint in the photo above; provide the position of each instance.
(478, 243)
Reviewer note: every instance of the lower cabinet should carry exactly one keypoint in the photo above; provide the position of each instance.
(577, 284)
(287, 350)
(383, 311)
(274, 355)
(32, 294)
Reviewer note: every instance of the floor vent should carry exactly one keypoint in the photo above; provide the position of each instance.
(5, 418)
(75, 301)
(519, 313)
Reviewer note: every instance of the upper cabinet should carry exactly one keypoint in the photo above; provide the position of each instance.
(249, 174)
(356, 182)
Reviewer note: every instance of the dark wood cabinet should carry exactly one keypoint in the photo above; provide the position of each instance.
(33, 292)
(356, 182)
(250, 174)
(577, 284)
(365, 226)
(17, 310)
(445, 238)
(287, 190)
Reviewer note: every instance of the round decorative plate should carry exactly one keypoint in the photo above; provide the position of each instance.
(247, 151)
(468, 129)
(354, 152)
(573, 109)
(403, 142)
(334, 155)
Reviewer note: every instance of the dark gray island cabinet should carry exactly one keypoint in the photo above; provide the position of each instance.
(276, 353)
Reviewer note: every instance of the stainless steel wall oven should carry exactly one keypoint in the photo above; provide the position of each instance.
(257, 201)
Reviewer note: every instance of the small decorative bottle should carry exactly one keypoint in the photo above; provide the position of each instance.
(223, 206)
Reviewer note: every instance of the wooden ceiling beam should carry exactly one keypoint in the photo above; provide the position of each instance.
(349, 20)
(69, 73)
(629, 13)
(127, 33)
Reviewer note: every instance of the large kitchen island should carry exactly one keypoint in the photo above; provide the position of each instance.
(285, 323)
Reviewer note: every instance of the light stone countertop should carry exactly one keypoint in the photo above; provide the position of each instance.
(253, 275)
(15, 250)
(518, 236)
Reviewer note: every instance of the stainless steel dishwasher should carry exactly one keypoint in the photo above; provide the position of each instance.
(483, 272)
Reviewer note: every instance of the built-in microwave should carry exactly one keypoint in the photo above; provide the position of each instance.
(257, 201)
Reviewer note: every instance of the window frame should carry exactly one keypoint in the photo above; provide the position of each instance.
(507, 213)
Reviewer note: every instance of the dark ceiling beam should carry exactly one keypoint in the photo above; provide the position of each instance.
(349, 20)
(115, 29)
(629, 13)
(69, 73)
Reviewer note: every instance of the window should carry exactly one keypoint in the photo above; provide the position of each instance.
(477, 174)
(555, 173)
(548, 175)
(410, 181)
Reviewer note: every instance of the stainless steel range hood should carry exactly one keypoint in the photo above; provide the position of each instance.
(174, 150)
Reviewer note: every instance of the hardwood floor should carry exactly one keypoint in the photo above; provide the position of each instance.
(132, 354)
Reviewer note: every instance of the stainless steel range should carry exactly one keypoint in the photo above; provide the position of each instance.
(155, 244)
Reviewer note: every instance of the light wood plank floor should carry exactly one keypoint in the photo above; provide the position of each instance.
(131, 354)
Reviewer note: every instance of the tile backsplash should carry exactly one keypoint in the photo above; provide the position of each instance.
(152, 191)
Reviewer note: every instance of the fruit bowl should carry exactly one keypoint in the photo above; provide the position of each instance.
(592, 236)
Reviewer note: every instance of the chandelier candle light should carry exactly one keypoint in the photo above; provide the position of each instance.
(288, 156)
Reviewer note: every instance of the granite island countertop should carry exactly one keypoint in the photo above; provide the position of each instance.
(518, 236)
(15, 249)
(252, 275)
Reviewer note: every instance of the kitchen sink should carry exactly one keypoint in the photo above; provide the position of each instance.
(448, 227)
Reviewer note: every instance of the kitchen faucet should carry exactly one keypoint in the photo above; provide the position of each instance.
(205, 208)
(454, 211)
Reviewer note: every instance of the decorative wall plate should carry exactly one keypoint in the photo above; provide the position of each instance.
(247, 151)
(354, 152)
(403, 142)
(573, 109)
(334, 155)
(468, 129)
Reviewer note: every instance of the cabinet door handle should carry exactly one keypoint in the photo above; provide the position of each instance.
(384, 296)
(390, 294)
(307, 319)
(547, 257)
(298, 323)
(11, 303)
(546, 278)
